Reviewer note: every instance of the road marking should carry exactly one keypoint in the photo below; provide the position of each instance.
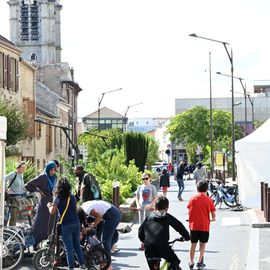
(253, 252)
(231, 221)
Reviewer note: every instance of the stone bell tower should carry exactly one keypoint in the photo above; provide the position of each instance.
(35, 29)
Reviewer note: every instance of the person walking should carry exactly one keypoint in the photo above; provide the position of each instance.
(200, 208)
(155, 233)
(180, 178)
(164, 181)
(199, 173)
(15, 190)
(45, 183)
(87, 186)
(146, 195)
(66, 205)
(109, 214)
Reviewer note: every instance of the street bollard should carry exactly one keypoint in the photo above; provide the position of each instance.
(265, 199)
(262, 197)
(268, 207)
(116, 194)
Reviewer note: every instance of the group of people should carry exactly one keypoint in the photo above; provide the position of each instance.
(57, 201)
(154, 231)
(155, 220)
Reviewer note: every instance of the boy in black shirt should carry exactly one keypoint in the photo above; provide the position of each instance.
(154, 233)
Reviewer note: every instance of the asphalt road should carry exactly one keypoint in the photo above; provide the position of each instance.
(227, 248)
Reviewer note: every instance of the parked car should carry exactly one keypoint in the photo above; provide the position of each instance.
(159, 166)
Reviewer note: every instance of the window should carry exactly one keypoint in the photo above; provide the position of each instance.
(8, 72)
(48, 139)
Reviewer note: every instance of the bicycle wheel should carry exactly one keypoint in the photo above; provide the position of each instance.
(97, 259)
(43, 259)
(215, 198)
(13, 250)
(233, 203)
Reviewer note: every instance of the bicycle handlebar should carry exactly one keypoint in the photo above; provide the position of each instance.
(181, 239)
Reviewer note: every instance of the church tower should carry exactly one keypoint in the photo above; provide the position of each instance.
(35, 29)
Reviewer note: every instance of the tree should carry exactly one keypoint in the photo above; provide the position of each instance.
(193, 127)
(17, 123)
(152, 156)
(136, 148)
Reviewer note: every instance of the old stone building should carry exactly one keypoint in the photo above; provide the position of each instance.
(35, 30)
(17, 83)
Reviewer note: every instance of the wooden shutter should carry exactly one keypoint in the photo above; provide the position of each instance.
(48, 139)
(12, 74)
(5, 71)
(16, 76)
(8, 72)
(31, 117)
(1, 70)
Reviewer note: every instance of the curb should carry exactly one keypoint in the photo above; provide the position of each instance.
(257, 220)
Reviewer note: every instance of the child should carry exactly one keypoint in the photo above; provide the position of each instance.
(154, 233)
(200, 207)
(145, 198)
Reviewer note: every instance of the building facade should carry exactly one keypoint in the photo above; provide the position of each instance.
(145, 124)
(35, 30)
(104, 119)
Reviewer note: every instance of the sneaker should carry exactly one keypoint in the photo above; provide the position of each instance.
(179, 198)
(83, 266)
(200, 266)
(191, 265)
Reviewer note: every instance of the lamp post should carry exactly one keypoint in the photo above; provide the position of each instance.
(211, 118)
(230, 56)
(245, 94)
(100, 100)
(127, 109)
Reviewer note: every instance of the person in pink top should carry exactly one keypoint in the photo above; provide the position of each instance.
(200, 208)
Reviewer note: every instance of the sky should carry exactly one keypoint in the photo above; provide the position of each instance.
(144, 47)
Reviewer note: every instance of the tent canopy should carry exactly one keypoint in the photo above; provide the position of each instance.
(253, 164)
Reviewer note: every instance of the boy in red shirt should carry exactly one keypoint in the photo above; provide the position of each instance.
(200, 207)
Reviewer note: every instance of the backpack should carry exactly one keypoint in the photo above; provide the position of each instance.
(92, 186)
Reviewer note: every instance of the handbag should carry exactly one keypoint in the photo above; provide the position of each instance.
(59, 223)
(7, 195)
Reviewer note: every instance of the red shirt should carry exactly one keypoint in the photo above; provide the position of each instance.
(200, 207)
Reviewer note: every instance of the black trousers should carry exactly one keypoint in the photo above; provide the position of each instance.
(166, 253)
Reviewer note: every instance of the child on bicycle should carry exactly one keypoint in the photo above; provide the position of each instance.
(154, 233)
(200, 207)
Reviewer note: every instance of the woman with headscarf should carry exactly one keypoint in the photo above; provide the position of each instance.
(44, 184)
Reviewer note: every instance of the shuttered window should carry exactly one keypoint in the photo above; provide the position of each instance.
(29, 110)
(1, 70)
(48, 139)
(8, 72)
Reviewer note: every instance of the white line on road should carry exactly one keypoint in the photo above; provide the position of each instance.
(231, 221)
(253, 252)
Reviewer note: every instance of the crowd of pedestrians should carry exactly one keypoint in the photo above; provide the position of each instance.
(71, 211)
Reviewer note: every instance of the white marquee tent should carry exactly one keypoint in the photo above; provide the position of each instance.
(253, 164)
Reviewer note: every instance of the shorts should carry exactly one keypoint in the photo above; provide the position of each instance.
(201, 236)
(164, 189)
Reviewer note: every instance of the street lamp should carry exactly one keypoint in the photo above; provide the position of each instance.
(100, 100)
(230, 56)
(127, 109)
(211, 118)
(245, 94)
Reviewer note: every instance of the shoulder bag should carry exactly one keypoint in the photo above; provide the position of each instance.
(59, 223)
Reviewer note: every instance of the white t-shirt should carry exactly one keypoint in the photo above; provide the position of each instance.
(101, 207)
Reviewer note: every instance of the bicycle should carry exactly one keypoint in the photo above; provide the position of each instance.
(226, 194)
(154, 263)
(53, 255)
(16, 239)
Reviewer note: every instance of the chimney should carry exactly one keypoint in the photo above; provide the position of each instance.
(72, 73)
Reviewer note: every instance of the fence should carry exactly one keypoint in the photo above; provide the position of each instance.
(265, 200)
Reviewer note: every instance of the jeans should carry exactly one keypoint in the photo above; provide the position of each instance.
(111, 220)
(71, 238)
(181, 185)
